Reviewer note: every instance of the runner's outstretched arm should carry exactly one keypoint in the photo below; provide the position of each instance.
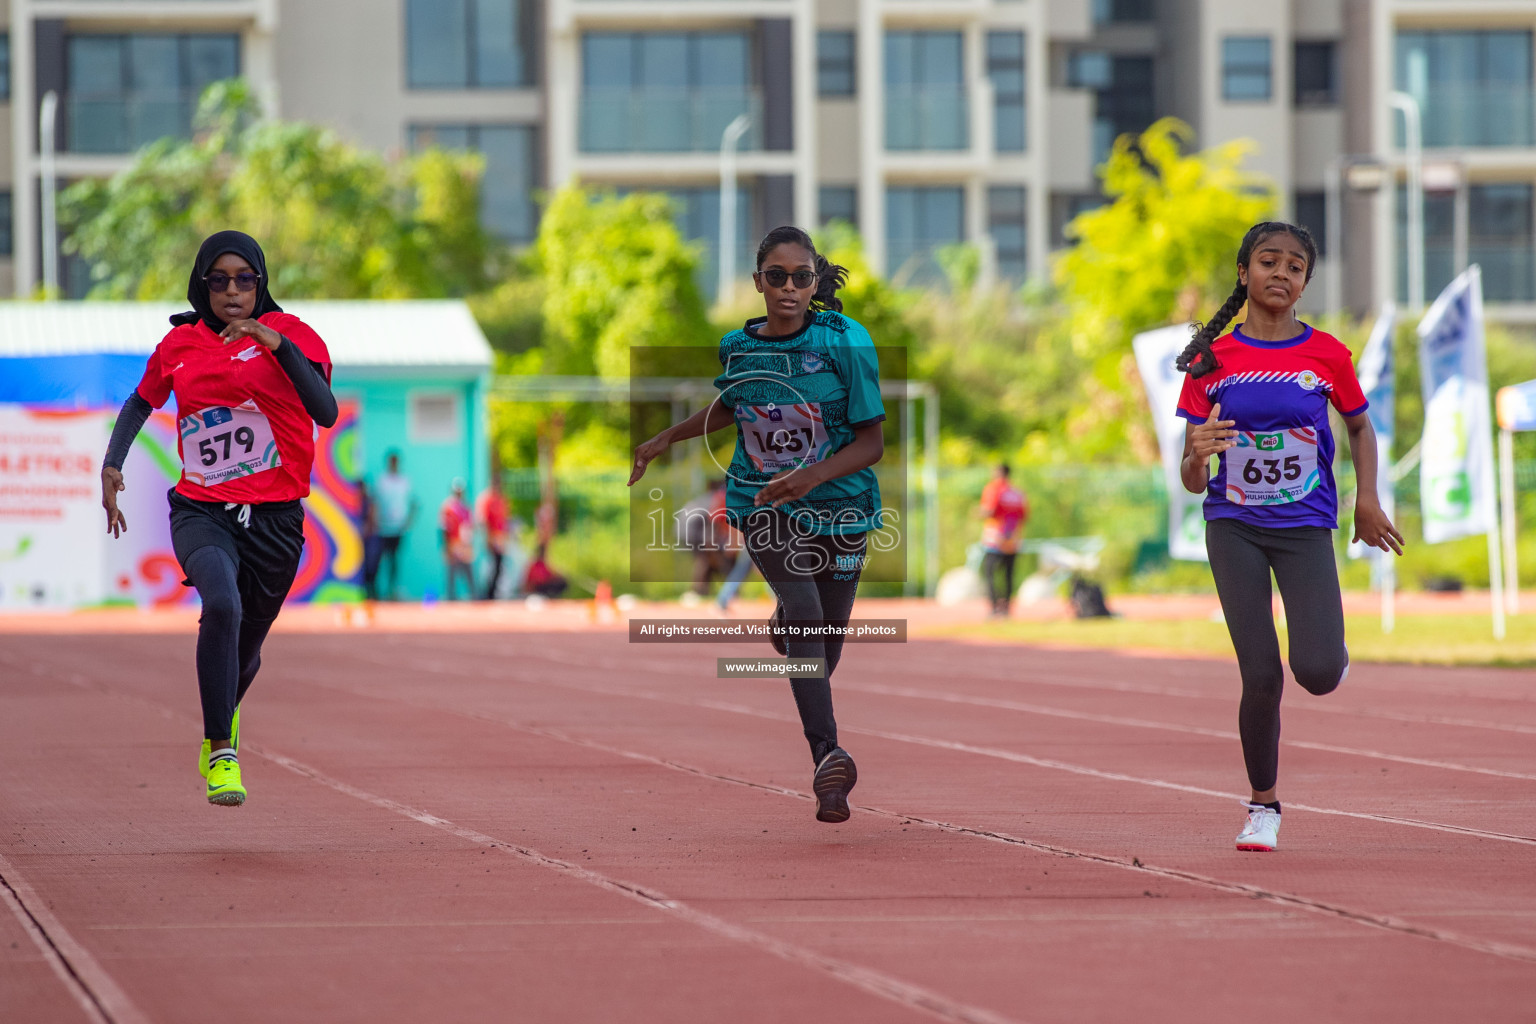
(130, 420)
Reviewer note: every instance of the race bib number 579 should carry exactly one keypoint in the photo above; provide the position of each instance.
(1272, 469)
(221, 443)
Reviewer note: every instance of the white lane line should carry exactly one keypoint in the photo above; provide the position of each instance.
(83, 977)
(1143, 723)
(966, 748)
(1286, 899)
(877, 983)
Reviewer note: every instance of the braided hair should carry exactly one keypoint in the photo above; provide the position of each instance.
(1198, 357)
(829, 276)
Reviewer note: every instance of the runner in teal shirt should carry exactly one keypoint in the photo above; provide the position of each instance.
(802, 387)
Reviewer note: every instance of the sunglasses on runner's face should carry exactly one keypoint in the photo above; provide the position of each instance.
(776, 277)
(245, 280)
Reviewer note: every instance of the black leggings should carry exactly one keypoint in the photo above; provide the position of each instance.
(1242, 556)
(815, 579)
(242, 560)
(990, 563)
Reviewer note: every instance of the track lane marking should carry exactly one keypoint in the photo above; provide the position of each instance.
(1384, 922)
(87, 982)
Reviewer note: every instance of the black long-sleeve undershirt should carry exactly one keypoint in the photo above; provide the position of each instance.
(307, 378)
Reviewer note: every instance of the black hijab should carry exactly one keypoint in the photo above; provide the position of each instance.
(216, 245)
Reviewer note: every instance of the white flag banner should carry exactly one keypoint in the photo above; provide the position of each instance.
(1378, 381)
(1155, 355)
(1456, 479)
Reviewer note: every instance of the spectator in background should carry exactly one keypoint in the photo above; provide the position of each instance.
(702, 528)
(458, 536)
(541, 579)
(395, 509)
(368, 526)
(491, 513)
(1005, 509)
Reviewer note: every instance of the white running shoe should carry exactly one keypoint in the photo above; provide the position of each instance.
(1262, 833)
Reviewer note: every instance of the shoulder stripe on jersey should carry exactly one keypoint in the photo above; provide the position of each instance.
(1259, 377)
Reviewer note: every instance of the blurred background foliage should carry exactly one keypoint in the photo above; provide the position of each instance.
(1042, 377)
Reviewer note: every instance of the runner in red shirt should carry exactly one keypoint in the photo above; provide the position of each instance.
(251, 384)
(458, 535)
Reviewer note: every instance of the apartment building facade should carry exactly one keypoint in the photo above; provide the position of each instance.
(924, 122)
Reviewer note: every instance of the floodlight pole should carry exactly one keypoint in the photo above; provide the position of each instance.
(1413, 139)
(728, 140)
(47, 118)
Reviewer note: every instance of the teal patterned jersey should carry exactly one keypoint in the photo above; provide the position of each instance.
(797, 400)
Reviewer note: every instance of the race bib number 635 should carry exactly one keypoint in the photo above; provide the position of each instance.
(1272, 469)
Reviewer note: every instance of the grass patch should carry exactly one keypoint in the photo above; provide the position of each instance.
(1418, 639)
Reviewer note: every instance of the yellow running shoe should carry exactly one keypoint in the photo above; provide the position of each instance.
(234, 742)
(224, 783)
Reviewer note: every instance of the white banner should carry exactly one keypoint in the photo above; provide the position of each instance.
(1456, 478)
(1155, 355)
(1377, 374)
(52, 528)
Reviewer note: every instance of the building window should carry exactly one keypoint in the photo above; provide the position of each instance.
(125, 91)
(507, 208)
(465, 44)
(925, 103)
(1109, 12)
(1245, 68)
(1317, 74)
(665, 92)
(1473, 88)
(835, 64)
(5, 66)
(1065, 208)
(1006, 213)
(1124, 105)
(1501, 238)
(838, 202)
(918, 223)
(6, 248)
(1005, 67)
(1312, 214)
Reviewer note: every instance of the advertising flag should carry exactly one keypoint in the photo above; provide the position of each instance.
(1456, 478)
(1377, 380)
(1155, 355)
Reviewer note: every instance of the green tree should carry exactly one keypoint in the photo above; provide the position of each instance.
(1163, 248)
(336, 221)
(617, 274)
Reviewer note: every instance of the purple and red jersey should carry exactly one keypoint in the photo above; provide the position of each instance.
(1278, 392)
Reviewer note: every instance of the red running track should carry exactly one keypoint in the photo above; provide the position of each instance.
(558, 826)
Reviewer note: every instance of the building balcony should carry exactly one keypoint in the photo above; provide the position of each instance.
(928, 117)
(618, 120)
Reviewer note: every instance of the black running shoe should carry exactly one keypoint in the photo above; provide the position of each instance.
(835, 777)
(776, 623)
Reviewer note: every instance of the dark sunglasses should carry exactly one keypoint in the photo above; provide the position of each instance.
(776, 277)
(245, 280)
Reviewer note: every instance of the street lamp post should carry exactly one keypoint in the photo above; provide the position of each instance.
(1414, 152)
(728, 140)
(47, 118)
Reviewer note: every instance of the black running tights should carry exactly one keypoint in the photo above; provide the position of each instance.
(1301, 557)
(228, 644)
(815, 579)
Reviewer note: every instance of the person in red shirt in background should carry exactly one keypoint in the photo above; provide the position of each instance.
(1005, 509)
(251, 385)
(491, 513)
(458, 533)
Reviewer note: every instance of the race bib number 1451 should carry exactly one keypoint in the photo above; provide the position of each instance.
(222, 443)
(778, 437)
(1272, 469)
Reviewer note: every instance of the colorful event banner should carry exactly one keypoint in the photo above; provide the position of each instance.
(1456, 477)
(1377, 380)
(1516, 406)
(54, 550)
(52, 529)
(1155, 355)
